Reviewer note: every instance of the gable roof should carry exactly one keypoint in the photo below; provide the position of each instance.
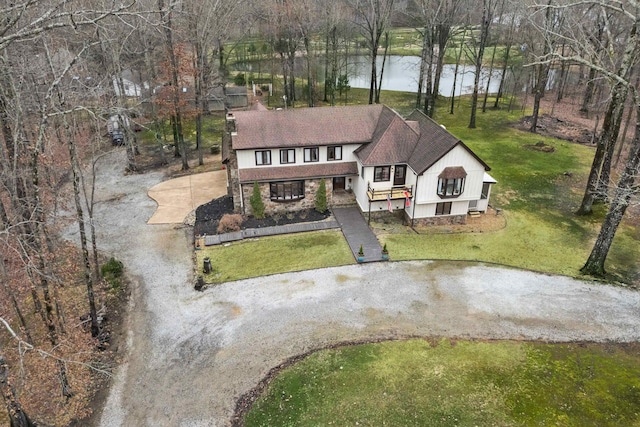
(385, 136)
(393, 141)
(435, 142)
(304, 127)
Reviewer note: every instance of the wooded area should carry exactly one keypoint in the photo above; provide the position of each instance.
(68, 68)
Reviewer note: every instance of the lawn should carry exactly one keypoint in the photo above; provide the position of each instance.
(462, 383)
(538, 192)
(275, 254)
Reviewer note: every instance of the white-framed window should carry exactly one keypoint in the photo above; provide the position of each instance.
(311, 154)
(263, 157)
(287, 155)
(287, 191)
(443, 208)
(334, 152)
(451, 187)
(381, 173)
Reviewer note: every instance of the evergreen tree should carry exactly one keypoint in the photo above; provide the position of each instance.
(321, 197)
(257, 205)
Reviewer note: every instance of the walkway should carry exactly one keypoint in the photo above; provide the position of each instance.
(357, 233)
(350, 220)
(177, 197)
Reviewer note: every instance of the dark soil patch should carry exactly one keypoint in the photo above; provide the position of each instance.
(208, 217)
(540, 146)
(558, 128)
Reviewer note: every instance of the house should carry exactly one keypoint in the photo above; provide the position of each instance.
(385, 161)
(128, 84)
(230, 97)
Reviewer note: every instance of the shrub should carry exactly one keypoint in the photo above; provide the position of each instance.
(321, 197)
(229, 223)
(239, 79)
(112, 272)
(257, 205)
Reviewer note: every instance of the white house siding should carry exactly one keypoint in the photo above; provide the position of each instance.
(428, 182)
(365, 180)
(247, 158)
(459, 207)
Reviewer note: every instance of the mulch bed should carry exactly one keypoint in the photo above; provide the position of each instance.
(208, 217)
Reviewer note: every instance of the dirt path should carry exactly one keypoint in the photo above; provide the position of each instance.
(191, 355)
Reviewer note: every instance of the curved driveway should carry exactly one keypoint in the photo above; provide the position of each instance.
(191, 355)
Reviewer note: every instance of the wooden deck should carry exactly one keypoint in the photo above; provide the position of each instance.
(393, 193)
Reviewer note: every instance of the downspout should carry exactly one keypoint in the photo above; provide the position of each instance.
(241, 198)
(415, 192)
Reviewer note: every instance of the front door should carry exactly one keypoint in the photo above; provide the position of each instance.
(338, 183)
(399, 175)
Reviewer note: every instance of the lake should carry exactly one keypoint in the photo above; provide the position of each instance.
(400, 74)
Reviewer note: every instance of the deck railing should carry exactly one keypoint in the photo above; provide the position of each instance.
(394, 192)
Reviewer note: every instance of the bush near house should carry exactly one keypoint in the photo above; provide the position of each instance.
(321, 197)
(257, 205)
(229, 223)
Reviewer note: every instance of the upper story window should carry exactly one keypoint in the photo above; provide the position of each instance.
(263, 157)
(287, 156)
(334, 152)
(451, 181)
(450, 187)
(381, 173)
(311, 154)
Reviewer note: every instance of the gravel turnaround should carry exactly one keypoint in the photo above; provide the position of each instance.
(190, 355)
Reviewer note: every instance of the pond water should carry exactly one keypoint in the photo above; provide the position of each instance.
(400, 74)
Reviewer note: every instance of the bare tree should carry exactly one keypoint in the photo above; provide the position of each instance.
(618, 71)
(372, 18)
(488, 9)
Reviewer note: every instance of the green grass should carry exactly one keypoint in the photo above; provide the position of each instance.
(542, 232)
(538, 199)
(415, 383)
(212, 128)
(275, 254)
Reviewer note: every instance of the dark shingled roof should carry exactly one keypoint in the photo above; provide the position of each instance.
(324, 170)
(453, 172)
(435, 142)
(385, 136)
(301, 127)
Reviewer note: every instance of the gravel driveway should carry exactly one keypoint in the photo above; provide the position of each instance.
(191, 355)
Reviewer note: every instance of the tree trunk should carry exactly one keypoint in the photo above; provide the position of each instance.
(609, 134)
(622, 196)
(455, 71)
(310, 83)
(17, 416)
(486, 92)
(384, 60)
(484, 35)
(14, 303)
(199, 70)
(168, 31)
(373, 85)
(443, 35)
(75, 169)
(538, 93)
(327, 76)
(588, 93)
(423, 64)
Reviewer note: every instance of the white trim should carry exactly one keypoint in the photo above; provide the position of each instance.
(488, 178)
